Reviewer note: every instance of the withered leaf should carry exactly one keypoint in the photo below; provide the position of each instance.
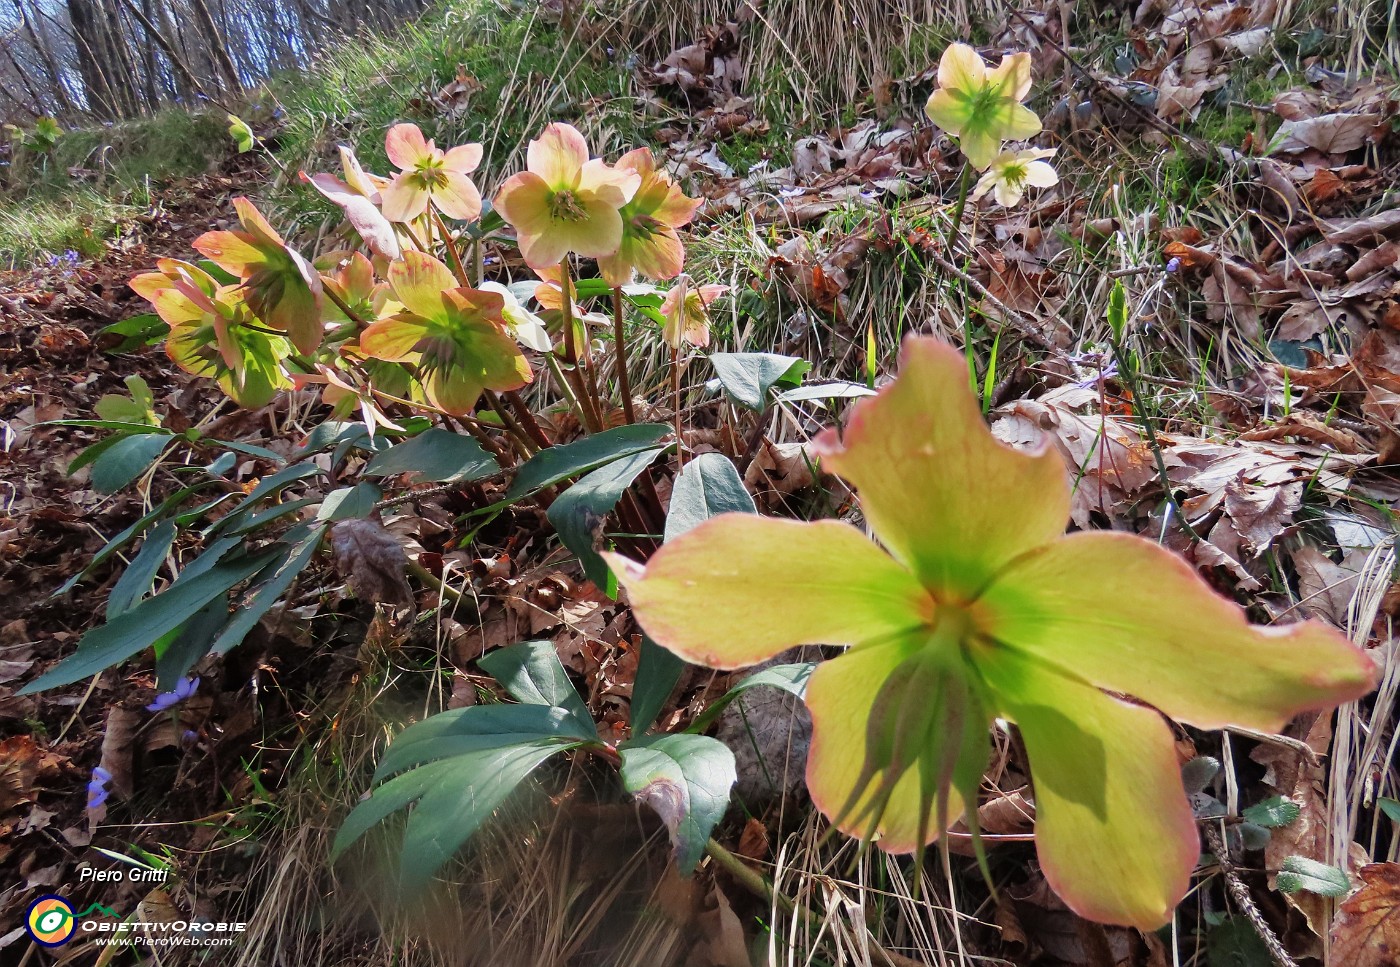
(1366, 932)
(372, 562)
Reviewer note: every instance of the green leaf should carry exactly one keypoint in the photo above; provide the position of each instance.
(748, 378)
(178, 652)
(658, 671)
(267, 487)
(706, 487)
(145, 329)
(1118, 310)
(127, 459)
(1391, 807)
(571, 459)
(129, 534)
(790, 678)
(270, 591)
(457, 796)
(480, 727)
(134, 630)
(1273, 812)
(140, 574)
(1235, 943)
(578, 513)
(686, 779)
(531, 672)
(137, 407)
(435, 456)
(346, 502)
(1300, 873)
(241, 133)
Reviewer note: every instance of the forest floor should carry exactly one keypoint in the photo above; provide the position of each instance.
(1232, 163)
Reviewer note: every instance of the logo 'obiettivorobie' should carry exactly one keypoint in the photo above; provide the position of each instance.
(50, 920)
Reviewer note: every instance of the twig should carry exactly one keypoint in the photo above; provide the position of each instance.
(1017, 320)
(1240, 891)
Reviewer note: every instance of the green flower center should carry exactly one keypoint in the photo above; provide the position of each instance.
(565, 206)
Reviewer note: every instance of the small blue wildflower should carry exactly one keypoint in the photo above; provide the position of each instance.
(189, 737)
(97, 787)
(1105, 372)
(1173, 264)
(184, 688)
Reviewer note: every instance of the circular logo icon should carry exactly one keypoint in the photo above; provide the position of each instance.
(50, 921)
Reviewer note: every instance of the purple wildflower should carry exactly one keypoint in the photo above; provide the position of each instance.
(1173, 264)
(184, 688)
(1105, 372)
(97, 787)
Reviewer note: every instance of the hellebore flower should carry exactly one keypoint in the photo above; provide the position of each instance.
(1012, 171)
(184, 688)
(429, 174)
(981, 107)
(457, 336)
(563, 202)
(208, 336)
(358, 197)
(97, 787)
(686, 310)
(650, 244)
(979, 607)
(280, 286)
(527, 328)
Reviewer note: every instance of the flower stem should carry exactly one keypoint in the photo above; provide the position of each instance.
(1128, 373)
(458, 269)
(527, 419)
(676, 403)
(624, 389)
(955, 227)
(586, 411)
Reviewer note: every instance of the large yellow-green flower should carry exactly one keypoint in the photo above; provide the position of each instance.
(456, 337)
(977, 608)
(982, 107)
(563, 202)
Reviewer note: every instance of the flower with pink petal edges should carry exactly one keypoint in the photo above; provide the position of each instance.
(564, 202)
(429, 175)
(686, 310)
(650, 244)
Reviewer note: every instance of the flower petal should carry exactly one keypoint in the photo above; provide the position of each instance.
(404, 198)
(949, 500)
(1113, 829)
(769, 585)
(1015, 122)
(1012, 77)
(405, 145)
(558, 155)
(464, 158)
(458, 197)
(615, 186)
(979, 146)
(394, 338)
(962, 68)
(1041, 175)
(950, 111)
(419, 282)
(231, 251)
(1129, 616)
(922, 739)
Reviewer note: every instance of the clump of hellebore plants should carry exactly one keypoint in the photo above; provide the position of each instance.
(406, 322)
(975, 606)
